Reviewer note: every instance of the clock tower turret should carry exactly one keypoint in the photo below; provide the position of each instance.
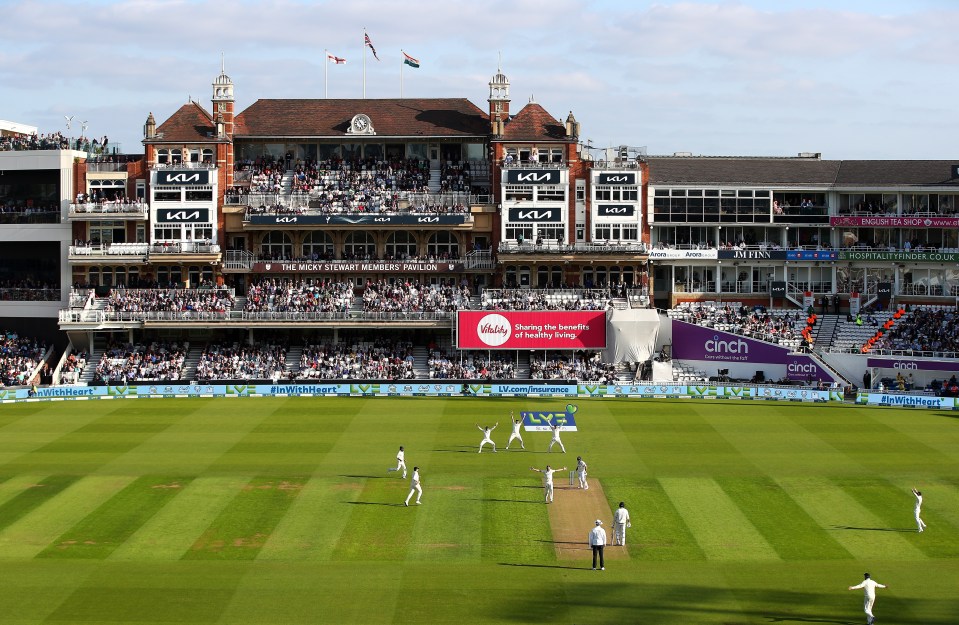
(498, 103)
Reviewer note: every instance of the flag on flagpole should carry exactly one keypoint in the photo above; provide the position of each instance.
(335, 59)
(408, 60)
(370, 44)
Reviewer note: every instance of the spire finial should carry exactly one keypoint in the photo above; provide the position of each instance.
(499, 63)
(222, 63)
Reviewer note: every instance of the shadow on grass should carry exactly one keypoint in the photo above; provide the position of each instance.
(545, 566)
(872, 529)
(563, 542)
(800, 619)
(374, 503)
(460, 449)
(493, 500)
(368, 477)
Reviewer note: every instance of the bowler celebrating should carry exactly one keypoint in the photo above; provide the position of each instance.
(548, 476)
(487, 431)
(919, 522)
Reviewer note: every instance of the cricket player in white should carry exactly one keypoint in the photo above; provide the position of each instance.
(555, 441)
(869, 587)
(548, 480)
(919, 522)
(400, 462)
(620, 523)
(517, 424)
(414, 487)
(487, 431)
(581, 472)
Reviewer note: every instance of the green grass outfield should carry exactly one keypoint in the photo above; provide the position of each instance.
(280, 511)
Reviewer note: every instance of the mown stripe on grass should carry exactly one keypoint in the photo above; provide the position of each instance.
(243, 527)
(110, 525)
(783, 523)
(32, 493)
(516, 526)
(719, 526)
(658, 532)
(32, 533)
(170, 533)
(314, 522)
(896, 508)
(380, 527)
(453, 529)
(852, 525)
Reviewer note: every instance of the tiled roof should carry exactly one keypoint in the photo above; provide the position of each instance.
(895, 173)
(406, 117)
(190, 124)
(533, 123)
(745, 171)
(665, 170)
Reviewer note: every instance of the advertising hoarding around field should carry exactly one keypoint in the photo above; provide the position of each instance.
(507, 329)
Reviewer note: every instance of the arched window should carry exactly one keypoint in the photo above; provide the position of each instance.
(163, 156)
(401, 245)
(556, 276)
(318, 246)
(359, 244)
(443, 245)
(176, 156)
(207, 155)
(277, 246)
(542, 277)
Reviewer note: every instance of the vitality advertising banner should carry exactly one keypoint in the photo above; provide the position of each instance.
(505, 329)
(911, 364)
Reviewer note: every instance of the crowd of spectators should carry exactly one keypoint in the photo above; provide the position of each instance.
(528, 299)
(782, 326)
(49, 141)
(414, 297)
(584, 367)
(169, 300)
(73, 367)
(455, 177)
(264, 361)
(19, 356)
(122, 363)
(307, 296)
(382, 359)
(469, 367)
(932, 329)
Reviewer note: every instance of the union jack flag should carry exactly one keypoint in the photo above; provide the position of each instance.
(370, 44)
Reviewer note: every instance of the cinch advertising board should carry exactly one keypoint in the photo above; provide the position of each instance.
(508, 329)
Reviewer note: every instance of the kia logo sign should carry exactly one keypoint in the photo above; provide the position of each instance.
(553, 214)
(494, 330)
(615, 210)
(623, 178)
(533, 176)
(182, 178)
(183, 215)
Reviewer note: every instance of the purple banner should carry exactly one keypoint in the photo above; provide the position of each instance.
(906, 364)
(693, 342)
(896, 222)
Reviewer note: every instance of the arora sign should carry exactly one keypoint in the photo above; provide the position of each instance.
(506, 329)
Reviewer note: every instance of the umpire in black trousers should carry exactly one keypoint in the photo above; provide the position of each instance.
(597, 540)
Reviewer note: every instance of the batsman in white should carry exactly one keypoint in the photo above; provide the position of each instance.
(487, 431)
(581, 472)
(620, 523)
(547, 480)
(414, 487)
(517, 424)
(400, 462)
(555, 441)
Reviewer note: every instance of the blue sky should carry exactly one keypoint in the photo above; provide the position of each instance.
(849, 79)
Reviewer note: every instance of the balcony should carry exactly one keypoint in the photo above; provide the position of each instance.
(90, 211)
(113, 252)
(29, 216)
(556, 248)
(184, 247)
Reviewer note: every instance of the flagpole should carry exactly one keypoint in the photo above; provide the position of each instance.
(402, 63)
(326, 74)
(364, 64)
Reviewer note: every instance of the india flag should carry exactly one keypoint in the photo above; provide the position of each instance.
(407, 59)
